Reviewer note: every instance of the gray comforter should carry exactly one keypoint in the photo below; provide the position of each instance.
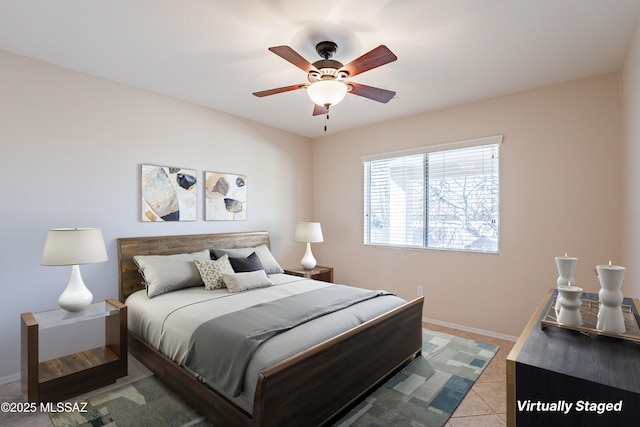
(221, 348)
(166, 322)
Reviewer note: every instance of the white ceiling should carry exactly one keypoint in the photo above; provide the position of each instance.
(214, 52)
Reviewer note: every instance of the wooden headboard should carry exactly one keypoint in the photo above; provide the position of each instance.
(129, 279)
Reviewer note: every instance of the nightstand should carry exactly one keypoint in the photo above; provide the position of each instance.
(67, 376)
(324, 274)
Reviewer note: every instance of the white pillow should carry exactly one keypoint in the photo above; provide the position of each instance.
(264, 254)
(238, 282)
(166, 273)
(212, 271)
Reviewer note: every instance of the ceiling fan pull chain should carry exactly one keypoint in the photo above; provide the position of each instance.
(325, 120)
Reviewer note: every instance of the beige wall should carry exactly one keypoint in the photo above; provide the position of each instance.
(72, 145)
(631, 137)
(560, 191)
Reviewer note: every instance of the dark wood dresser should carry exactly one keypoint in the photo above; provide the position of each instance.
(558, 376)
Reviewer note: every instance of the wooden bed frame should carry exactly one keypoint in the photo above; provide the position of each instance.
(311, 388)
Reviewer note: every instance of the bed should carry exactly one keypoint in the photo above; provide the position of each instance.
(313, 386)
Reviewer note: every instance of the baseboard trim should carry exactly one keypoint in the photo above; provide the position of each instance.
(470, 329)
(10, 378)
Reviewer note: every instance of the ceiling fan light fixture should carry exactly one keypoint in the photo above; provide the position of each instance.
(327, 93)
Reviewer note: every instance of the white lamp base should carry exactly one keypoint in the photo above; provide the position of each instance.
(308, 261)
(76, 297)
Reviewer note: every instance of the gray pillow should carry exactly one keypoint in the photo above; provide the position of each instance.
(264, 254)
(238, 282)
(166, 273)
(243, 265)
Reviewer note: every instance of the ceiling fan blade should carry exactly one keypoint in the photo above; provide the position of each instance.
(372, 59)
(319, 110)
(278, 90)
(375, 93)
(288, 54)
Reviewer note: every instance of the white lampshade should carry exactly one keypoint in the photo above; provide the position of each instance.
(327, 92)
(74, 246)
(308, 232)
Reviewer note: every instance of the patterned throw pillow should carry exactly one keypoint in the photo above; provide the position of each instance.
(212, 271)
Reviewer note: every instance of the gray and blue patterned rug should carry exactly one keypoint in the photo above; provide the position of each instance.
(425, 393)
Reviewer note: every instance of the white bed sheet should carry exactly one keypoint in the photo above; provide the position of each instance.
(167, 326)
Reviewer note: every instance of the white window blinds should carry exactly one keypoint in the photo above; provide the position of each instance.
(443, 198)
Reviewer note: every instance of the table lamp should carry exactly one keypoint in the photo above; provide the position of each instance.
(74, 246)
(308, 232)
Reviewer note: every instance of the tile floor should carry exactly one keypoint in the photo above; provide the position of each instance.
(484, 405)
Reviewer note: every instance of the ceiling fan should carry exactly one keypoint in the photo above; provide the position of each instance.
(329, 79)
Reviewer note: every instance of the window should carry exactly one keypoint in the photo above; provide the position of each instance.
(441, 197)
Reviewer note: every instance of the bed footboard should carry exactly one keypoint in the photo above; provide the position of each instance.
(320, 384)
(206, 401)
(311, 388)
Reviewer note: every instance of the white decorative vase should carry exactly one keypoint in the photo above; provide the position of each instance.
(569, 297)
(76, 296)
(308, 260)
(566, 269)
(610, 317)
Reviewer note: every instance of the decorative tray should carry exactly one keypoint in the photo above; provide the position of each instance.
(589, 312)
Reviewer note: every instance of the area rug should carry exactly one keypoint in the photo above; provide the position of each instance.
(425, 393)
